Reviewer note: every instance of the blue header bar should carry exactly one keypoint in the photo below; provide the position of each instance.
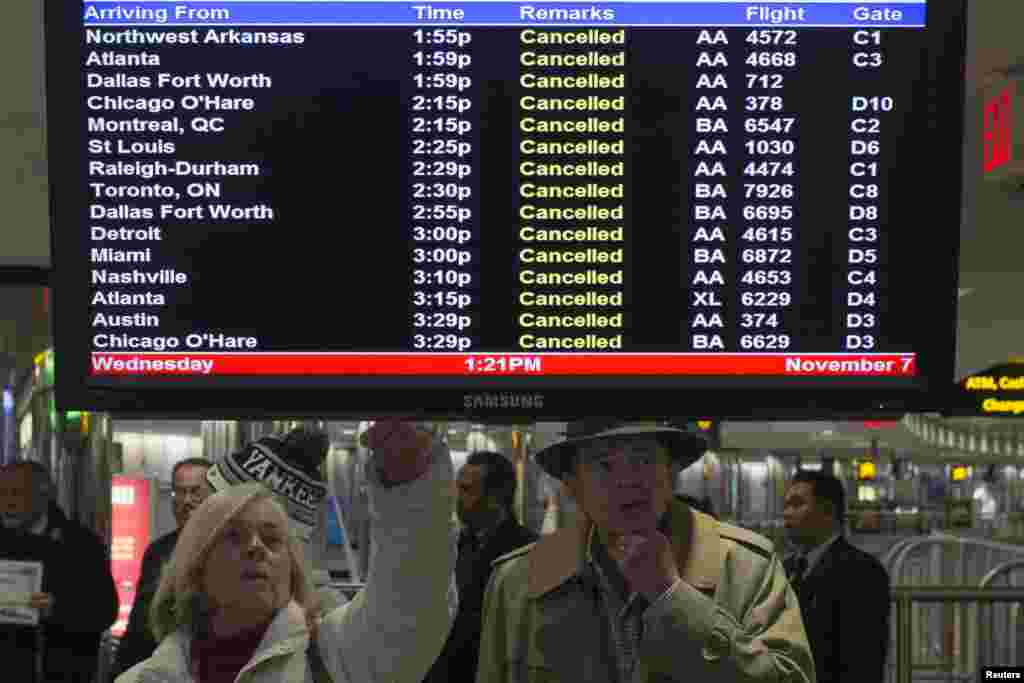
(840, 13)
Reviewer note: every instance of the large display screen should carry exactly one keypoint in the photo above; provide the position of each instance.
(546, 208)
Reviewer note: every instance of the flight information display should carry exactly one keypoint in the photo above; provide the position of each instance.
(512, 206)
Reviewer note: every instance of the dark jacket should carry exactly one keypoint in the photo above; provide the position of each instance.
(458, 659)
(76, 571)
(138, 643)
(18, 645)
(86, 600)
(845, 606)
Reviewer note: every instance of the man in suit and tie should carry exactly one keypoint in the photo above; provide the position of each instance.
(843, 591)
(486, 493)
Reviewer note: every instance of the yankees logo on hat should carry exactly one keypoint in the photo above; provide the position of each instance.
(289, 466)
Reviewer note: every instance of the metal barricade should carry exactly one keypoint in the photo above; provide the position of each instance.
(884, 543)
(942, 632)
(960, 664)
(914, 657)
(975, 557)
(1000, 570)
(889, 558)
(1003, 623)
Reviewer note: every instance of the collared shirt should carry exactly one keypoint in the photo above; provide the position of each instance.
(470, 545)
(485, 534)
(624, 613)
(39, 528)
(482, 536)
(814, 556)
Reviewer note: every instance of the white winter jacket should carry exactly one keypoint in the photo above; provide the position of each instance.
(392, 631)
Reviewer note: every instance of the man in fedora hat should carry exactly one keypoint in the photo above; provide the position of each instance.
(642, 588)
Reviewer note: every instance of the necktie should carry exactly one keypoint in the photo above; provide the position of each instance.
(798, 567)
(469, 548)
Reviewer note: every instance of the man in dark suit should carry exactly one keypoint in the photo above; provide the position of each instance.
(486, 491)
(189, 490)
(843, 591)
(79, 599)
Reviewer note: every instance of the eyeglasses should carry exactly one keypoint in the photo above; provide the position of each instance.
(196, 492)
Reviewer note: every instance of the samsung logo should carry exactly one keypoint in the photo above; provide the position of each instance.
(472, 401)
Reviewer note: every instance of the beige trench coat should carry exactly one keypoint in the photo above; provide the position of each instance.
(732, 618)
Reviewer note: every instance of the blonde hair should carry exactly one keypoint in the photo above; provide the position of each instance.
(180, 600)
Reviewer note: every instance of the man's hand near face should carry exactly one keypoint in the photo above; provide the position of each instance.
(648, 563)
(628, 475)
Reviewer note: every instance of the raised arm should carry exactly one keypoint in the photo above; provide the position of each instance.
(395, 628)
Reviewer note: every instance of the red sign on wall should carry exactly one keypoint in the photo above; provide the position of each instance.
(130, 535)
(998, 130)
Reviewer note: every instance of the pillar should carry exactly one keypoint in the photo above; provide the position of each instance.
(564, 507)
(8, 410)
(220, 438)
(102, 452)
(530, 489)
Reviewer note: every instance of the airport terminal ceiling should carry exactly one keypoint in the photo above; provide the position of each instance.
(851, 439)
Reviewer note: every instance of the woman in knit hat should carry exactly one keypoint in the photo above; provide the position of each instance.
(236, 601)
(290, 466)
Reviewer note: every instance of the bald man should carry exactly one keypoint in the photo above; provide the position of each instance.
(79, 599)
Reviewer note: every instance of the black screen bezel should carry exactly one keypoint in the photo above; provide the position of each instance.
(947, 41)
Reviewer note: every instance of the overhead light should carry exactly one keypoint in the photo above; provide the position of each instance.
(866, 471)
(961, 293)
